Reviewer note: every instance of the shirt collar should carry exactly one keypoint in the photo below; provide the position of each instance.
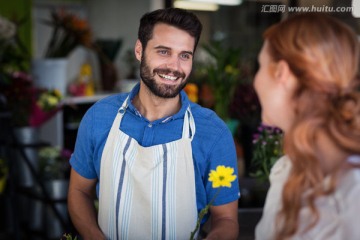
(185, 102)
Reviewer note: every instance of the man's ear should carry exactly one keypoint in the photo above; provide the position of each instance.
(138, 50)
(283, 74)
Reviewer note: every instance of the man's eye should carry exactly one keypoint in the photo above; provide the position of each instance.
(185, 56)
(163, 52)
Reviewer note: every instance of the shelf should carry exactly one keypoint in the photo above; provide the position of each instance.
(85, 99)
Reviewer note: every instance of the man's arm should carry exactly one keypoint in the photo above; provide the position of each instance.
(224, 222)
(81, 206)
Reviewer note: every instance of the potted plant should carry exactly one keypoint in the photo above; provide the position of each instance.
(54, 173)
(68, 32)
(25, 101)
(223, 75)
(268, 148)
(28, 105)
(54, 163)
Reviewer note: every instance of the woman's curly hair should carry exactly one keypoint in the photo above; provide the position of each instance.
(323, 54)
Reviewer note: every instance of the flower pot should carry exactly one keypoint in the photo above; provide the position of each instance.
(50, 73)
(57, 190)
(27, 139)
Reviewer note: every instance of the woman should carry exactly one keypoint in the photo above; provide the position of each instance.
(308, 86)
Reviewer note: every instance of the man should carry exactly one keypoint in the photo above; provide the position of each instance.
(149, 152)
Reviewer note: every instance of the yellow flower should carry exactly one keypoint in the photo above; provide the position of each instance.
(57, 93)
(52, 101)
(222, 177)
(192, 90)
(85, 70)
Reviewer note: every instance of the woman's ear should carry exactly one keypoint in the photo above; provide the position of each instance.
(138, 50)
(281, 70)
(284, 75)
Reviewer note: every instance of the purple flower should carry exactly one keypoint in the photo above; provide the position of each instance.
(66, 153)
(256, 136)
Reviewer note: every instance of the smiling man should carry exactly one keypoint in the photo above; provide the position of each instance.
(148, 153)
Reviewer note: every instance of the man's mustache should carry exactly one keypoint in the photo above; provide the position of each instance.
(166, 71)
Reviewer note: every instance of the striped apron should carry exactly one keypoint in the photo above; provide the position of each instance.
(147, 192)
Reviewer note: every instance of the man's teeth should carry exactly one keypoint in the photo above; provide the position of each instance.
(168, 77)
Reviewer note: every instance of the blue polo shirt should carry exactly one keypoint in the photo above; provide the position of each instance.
(212, 144)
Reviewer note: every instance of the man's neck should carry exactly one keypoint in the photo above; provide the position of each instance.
(153, 107)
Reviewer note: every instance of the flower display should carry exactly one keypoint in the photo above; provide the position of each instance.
(29, 106)
(47, 105)
(69, 31)
(49, 100)
(20, 95)
(13, 54)
(223, 75)
(54, 163)
(268, 148)
(221, 177)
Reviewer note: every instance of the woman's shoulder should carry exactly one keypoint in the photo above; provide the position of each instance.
(349, 185)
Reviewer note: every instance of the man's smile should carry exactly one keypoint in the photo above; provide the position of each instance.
(168, 77)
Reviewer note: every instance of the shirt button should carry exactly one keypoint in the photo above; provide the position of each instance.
(150, 125)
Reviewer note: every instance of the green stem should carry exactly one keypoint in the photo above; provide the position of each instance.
(202, 213)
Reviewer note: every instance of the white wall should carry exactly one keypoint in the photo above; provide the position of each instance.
(117, 19)
(108, 19)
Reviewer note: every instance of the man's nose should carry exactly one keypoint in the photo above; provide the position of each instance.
(173, 63)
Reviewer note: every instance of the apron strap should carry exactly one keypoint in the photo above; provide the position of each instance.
(189, 125)
(124, 106)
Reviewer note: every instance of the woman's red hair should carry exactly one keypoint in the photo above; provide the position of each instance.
(323, 54)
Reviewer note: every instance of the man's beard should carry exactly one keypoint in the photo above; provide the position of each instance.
(160, 90)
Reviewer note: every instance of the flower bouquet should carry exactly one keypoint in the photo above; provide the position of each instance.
(267, 150)
(54, 163)
(46, 106)
(29, 106)
(69, 31)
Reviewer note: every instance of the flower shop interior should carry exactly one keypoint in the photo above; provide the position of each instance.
(58, 57)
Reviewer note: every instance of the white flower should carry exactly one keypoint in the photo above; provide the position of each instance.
(7, 29)
(49, 152)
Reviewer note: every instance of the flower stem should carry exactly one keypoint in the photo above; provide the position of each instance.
(202, 213)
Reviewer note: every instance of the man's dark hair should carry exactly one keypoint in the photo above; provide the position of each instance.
(176, 17)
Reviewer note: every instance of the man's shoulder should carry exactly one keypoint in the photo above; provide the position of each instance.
(105, 109)
(210, 128)
(207, 118)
